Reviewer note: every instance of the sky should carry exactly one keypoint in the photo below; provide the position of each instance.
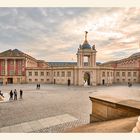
(54, 34)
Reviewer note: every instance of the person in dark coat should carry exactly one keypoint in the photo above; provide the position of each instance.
(11, 95)
(15, 94)
(21, 93)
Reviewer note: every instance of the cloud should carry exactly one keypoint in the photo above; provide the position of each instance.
(54, 34)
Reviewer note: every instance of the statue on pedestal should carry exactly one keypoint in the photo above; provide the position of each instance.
(85, 83)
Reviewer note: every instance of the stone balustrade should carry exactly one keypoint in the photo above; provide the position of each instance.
(106, 108)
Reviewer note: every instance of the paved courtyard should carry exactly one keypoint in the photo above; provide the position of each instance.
(54, 108)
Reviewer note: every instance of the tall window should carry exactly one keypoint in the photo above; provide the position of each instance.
(86, 61)
(3, 63)
(11, 72)
(69, 74)
(42, 73)
(19, 72)
(36, 73)
(134, 74)
(103, 74)
(123, 73)
(117, 74)
(3, 72)
(30, 73)
(63, 74)
(19, 64)
(107, 73)
(129, 73)
(11, 62)
(48, 73)
(58, 74)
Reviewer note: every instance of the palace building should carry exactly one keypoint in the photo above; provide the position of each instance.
(18, 67)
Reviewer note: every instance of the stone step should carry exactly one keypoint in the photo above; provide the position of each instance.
(113, 126)
(36, 125)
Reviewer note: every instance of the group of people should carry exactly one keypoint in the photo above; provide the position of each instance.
(38, 86)
(13, 95)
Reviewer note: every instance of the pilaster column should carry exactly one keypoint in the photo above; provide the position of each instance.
(14, 66)
(6, 67)
(26, 62)
(91, 59)
(78, 60)
(81, 60)
(94, 59)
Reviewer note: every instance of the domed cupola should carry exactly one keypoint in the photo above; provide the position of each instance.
(86, 52)
(85, 45)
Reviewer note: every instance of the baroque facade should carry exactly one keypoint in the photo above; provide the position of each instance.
(18, 67)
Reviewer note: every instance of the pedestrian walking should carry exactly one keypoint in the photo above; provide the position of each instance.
(11, 95)
(15, 94)
(37, 86)
(21, 93)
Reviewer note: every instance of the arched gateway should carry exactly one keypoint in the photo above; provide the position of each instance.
(87, 78)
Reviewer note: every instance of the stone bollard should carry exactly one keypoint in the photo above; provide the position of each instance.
(136, 129)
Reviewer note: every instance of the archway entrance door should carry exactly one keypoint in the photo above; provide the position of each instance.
(87, 78)
(103, 81)
(10, 80)
(68, 82)
(54, 81)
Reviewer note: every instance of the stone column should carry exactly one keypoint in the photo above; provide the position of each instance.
(82, 59)
(89, 61)
(14, 66)
(6, 67)
(92, 60)
(78, 60)
(95, 59)
(26, 62)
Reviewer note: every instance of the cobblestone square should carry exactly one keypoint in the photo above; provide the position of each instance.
(70, 105)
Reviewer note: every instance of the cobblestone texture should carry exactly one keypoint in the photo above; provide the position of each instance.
(53, 100)
(62, 127)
